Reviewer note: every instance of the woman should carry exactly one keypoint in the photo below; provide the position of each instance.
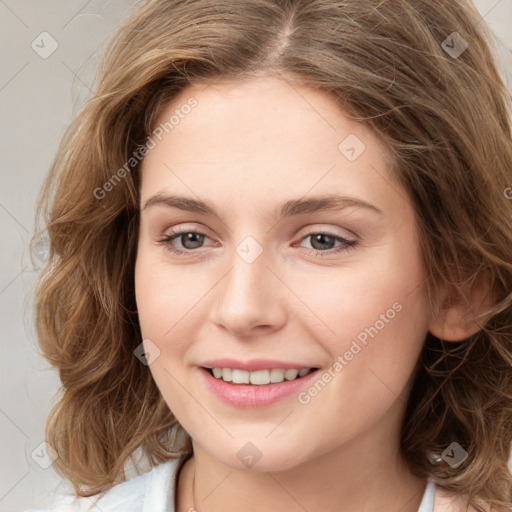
(192, 307)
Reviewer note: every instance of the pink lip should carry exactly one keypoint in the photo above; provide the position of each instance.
(254, 365)
(247, 395)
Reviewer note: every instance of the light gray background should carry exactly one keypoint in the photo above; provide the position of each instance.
(38, 97)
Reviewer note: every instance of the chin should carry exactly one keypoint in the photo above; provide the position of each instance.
(257, 456)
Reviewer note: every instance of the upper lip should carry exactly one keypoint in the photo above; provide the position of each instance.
(253, 365)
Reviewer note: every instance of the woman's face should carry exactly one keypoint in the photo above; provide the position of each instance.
(299, 251)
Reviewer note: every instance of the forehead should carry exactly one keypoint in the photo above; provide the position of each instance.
(253, 107)
(262, 138)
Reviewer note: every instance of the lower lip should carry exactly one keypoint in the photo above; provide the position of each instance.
(248, 395)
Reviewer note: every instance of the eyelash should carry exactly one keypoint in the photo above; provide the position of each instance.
(347, 244)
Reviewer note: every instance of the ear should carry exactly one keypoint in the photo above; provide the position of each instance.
(457, 319)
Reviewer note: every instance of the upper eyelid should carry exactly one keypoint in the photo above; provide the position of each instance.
(303, 234)
(318, 227)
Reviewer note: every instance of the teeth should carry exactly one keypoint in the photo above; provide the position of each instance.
(239, 376)
(276, 375)
(290, 374)
(259, 377)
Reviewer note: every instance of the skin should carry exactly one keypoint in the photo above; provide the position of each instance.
(247, 147)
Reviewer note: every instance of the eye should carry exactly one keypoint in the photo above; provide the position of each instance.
(189, 238)
(321, 242)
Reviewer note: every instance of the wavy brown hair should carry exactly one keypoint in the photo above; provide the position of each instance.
(446, 120)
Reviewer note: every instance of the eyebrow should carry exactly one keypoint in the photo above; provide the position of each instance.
(287, 209)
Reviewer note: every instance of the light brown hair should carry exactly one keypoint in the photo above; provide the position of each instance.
(446, 120)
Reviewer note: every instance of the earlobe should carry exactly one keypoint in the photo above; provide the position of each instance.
(453, 325)
(458, 320)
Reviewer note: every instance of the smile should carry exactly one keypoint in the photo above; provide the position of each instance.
(257, 388)
(259, 377)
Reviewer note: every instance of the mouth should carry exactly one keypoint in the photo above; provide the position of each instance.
(256, 388)
(259, 377)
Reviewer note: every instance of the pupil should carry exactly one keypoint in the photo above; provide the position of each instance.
(321, 238)
(189, 237)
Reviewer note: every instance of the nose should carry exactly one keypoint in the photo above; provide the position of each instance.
(251, 298)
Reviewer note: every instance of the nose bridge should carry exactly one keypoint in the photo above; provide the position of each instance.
(249, 278)
(249, 295)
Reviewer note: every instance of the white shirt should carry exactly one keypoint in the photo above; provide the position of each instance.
(154, 492)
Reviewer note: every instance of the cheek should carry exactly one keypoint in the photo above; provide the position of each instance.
(156, 296)
(379, 329)
(380, 319)
(383, 296)
(379, 316)
(170, 300)
(162, 306)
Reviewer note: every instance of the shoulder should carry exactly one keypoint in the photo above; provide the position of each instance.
(447, 501)
(150, 492)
